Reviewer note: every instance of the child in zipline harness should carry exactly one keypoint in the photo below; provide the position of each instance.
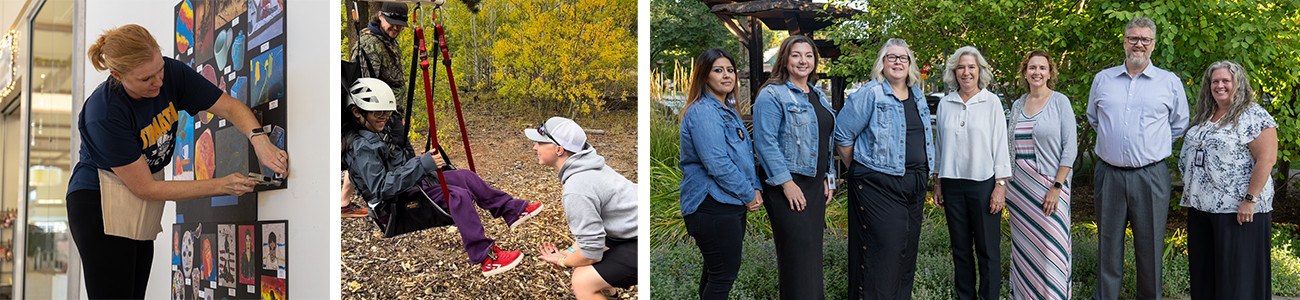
(383, 169)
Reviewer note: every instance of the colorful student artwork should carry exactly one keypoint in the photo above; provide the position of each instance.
(273, 243)
(273, 288)
(204, 156)
(247, 259)
(226, 255)
(184, 26)
(268, 76)
(237, 247)
(240, 47)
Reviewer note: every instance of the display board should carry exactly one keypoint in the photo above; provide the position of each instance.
(236, 260)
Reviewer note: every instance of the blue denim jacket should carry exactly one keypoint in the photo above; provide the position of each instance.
(785, 132)
(872, 122)
(716, 158)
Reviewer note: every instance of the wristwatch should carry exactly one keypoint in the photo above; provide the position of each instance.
(1058, 184)
(1250, 198)
(1002, 182)
(256, 132)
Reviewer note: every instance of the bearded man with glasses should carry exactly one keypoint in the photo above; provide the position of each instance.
(1138, 111)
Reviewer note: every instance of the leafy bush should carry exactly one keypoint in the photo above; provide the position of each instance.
(676, 266)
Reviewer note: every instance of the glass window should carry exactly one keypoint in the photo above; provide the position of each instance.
(49, 151)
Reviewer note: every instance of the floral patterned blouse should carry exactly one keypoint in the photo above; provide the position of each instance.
(1218, 183)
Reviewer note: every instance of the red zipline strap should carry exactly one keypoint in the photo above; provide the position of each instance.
(428, 100)
(451, 80)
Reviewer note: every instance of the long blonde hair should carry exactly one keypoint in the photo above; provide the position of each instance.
(122, 49)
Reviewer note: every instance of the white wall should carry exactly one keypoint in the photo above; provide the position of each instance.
(312, 60)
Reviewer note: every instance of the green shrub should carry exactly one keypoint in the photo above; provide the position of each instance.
(676, 266)
(1286, 269)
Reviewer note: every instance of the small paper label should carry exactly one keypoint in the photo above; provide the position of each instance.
(198, 124)
(234, 22)
(174, 266)
(266, 46)
(187, 281)
(275, 104)
(231, 76)
(222, 123)
(280, 273)
(252, 289)
(232, 292)
(227, 70)
(203, 294)
(190, 51)
(212, 284)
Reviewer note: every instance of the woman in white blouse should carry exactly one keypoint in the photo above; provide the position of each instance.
(1227, 161)
(972, 168)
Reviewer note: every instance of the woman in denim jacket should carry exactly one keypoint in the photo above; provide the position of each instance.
(883, 134)
(718, 182)
(792, 128)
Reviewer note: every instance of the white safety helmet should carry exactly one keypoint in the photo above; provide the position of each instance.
(371, 94)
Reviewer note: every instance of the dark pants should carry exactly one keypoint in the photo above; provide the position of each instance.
(1137, 197)
(719, 230)
(1226, 260)
(884, 228)
(467, 189)
(966, 206)
(798, 238)
(115, 267)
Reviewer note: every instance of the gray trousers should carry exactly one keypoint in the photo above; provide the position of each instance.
(1138, 197)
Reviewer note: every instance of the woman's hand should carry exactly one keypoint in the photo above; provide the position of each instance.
(549, 253)
(270, 155)
(794, 195)
(998, 199)
(938, 194)
(827, 189)
(757, 203)
(1049, 202)
(236, 184)
(1246, 213)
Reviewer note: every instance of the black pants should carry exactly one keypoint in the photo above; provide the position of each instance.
(115, 267)
(884, 228)
(1226, 260)
(798, 237)
(719, 230)
(966, 206)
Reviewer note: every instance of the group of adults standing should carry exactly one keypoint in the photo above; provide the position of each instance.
(978, 160)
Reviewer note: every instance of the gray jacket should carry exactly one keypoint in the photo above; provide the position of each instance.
(380, 170)
(598, 202)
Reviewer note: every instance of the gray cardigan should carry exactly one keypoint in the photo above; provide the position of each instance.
(1055, 142)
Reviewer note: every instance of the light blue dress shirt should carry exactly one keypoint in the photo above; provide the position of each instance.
(1137, 118)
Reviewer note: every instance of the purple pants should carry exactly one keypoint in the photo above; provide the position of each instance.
(466, 189)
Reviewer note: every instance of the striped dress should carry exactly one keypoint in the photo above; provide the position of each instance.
(1040, 243)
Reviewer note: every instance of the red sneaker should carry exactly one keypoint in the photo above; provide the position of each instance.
(353, 211)
(529, 211)
(500, 261)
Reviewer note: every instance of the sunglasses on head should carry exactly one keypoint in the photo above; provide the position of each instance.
(542, 130)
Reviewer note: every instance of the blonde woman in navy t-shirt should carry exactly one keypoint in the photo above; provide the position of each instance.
(127, 126)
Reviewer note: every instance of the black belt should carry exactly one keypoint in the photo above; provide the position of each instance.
(1133, 168)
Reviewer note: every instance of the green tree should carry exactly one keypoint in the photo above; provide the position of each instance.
(681, 29)
(575, 53)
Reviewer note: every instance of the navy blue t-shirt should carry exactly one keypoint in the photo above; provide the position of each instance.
(116, 130)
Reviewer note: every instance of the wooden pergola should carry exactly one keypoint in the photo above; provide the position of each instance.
(801, 17)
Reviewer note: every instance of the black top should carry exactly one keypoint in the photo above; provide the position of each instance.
(825, 124)
(915, 159)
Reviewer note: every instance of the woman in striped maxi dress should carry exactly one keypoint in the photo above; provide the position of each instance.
(1043, 129)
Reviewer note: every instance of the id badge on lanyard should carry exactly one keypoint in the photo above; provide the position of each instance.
(1198, 158)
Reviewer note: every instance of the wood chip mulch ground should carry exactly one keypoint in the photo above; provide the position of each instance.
(432, 264)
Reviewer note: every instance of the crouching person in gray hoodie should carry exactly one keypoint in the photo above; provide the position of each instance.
(601, 207)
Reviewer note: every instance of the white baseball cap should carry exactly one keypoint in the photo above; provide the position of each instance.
(559, 131)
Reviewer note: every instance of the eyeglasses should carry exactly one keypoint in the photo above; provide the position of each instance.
(898, 58)
(542, 130)
(1133, 40)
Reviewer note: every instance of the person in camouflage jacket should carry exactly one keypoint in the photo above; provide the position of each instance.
(379, 44)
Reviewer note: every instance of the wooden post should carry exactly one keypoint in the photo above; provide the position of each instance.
(756, 75)
(838, 84)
